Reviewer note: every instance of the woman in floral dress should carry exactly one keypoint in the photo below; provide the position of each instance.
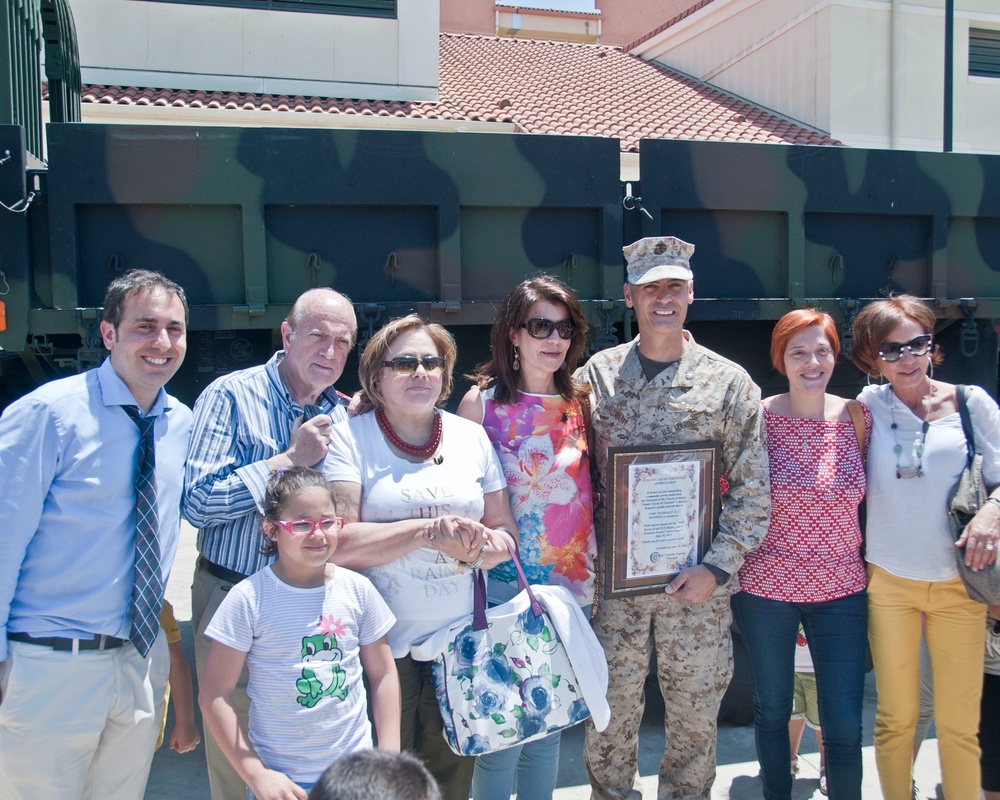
(533, 412)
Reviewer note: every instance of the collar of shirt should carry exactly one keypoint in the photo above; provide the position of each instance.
(114, 392)
(329, 397)
(674, 373)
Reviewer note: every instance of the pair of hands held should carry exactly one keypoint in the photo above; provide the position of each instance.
(460, 538)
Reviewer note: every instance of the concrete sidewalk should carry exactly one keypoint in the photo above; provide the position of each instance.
(174, 776)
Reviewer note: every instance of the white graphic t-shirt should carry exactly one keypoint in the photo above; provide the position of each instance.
(307, 702)
(424, 588)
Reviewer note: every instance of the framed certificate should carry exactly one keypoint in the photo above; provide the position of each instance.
(663, 506)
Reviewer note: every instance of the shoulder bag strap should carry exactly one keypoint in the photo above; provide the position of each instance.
(595, 494)
(858, 418)
(589, 430)
(963, 412)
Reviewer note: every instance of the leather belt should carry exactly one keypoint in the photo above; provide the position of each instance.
(70, 645)
(223, 574)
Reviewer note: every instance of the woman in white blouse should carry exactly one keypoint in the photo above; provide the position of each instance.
(916, 455)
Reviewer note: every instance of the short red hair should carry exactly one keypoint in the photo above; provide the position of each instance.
(799, 320)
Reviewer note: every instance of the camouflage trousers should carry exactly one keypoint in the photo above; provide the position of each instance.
(694, 655)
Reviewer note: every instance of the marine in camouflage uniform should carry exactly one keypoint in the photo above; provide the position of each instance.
(664, 388)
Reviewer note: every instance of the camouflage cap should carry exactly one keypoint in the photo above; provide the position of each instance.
(657, 258)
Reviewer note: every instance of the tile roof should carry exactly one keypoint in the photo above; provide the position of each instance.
(539, 87)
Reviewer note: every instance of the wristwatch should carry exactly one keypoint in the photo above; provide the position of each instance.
(721, 576)
(994, 500)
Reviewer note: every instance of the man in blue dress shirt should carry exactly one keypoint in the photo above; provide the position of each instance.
(247, 425)
(80, 705)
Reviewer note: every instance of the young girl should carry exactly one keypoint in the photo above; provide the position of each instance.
(305, 629)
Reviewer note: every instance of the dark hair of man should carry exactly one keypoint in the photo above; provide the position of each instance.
(283, 484)
(513, 311)
(376, 775)
(133, 282)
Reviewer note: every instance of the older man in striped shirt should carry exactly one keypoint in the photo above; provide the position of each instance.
(247, 425)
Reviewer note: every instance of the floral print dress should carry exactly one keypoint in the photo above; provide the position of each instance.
(542, 446)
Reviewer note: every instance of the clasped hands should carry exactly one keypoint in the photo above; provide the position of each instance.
(460, 538)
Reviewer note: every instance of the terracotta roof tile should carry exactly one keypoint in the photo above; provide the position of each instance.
(539, 87)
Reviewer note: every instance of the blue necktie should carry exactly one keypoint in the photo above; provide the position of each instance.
(147, 590)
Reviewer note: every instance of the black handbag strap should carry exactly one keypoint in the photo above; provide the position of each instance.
(963, 412)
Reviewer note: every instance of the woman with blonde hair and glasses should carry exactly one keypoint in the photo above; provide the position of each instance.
(917, 452)
(425, 503)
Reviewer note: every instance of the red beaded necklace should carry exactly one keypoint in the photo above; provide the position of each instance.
(416, 450)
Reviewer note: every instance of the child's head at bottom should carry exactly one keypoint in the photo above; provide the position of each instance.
(299, 504)
(376, 775)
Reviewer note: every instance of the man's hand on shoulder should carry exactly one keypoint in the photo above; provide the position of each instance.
(358, 406)
(694, 584)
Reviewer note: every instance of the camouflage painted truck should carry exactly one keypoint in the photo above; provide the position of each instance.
(446, 223)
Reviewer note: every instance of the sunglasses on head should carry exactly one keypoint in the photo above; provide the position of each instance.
(304, 527)
(407, 365)
(541, 328)
(918, 346)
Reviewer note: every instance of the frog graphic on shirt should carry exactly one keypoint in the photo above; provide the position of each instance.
(323, 677)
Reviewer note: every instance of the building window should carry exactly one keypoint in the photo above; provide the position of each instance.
(358, 8)
(984, 53)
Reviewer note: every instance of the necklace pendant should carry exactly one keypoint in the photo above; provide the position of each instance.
(905, 473)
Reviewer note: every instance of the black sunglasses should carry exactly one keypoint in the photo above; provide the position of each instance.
(918, 346)
(407, 365)
(541, 328)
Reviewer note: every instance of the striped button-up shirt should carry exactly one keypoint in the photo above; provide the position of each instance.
(240, 421)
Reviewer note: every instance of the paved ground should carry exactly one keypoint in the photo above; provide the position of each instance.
(174, 776)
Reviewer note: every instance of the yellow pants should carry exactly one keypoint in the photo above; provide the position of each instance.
(955, 628)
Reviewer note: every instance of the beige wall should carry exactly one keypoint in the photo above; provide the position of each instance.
(177, 46)
(468, 16)
(830, 64)
(622, 21)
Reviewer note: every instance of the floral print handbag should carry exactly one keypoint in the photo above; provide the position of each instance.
(518, 671)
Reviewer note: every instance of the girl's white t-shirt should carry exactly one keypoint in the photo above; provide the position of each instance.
(308, 704)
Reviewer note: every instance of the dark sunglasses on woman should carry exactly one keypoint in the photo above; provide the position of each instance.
(407, 365)
(541, 328)
(918, 346)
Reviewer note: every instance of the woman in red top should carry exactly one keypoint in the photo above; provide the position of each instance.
(809, 568)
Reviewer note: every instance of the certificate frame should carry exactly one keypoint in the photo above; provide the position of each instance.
(646, 549)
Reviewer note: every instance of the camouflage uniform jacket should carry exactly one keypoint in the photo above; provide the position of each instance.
(702, 397)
